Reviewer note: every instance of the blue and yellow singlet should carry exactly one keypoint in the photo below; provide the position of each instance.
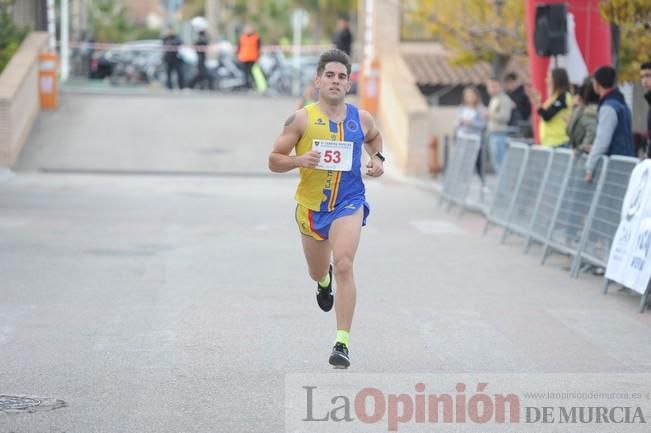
(323, 190)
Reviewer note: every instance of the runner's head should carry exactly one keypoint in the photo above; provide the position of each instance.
(333, 75)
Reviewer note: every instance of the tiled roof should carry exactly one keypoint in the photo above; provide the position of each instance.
(436, 69)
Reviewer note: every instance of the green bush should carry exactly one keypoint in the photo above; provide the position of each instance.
(10, 38)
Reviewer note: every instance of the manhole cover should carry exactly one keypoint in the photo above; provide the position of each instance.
(22, 403)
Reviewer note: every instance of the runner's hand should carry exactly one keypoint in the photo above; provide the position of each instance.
(309, 159)
(375, 168)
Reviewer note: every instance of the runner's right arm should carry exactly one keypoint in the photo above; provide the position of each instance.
(280, 159)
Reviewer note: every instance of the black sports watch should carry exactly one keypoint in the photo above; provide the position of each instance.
(379, 155)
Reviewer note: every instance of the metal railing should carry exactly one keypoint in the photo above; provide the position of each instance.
(549, 196)
(459, 170)
(509, 180)
(564, 234)
(604, 215)
(543, 195)
(528, 192)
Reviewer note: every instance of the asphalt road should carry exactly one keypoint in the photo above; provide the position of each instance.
(151, 278)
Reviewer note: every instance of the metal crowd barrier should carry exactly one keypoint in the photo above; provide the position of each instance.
(542, 194)
(458, 174)
(564, 234)
(454, 158)
(604, 215)
(549, 197)
(508, 181)
(527, 193)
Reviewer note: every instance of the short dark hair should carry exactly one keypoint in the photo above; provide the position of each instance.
(605, 76)
(645, 65)
(333, 55)
(511, 76)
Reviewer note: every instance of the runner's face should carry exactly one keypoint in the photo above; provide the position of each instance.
(333, 83)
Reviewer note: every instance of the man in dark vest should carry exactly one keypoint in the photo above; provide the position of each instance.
(614, 125)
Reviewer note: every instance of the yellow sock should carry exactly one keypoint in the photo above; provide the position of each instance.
(325, 282)
(342, 337)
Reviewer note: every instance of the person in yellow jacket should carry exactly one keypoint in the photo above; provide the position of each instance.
(556, 111)
(248, 52)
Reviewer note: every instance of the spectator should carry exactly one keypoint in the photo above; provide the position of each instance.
(343, 38)
(521, 114)
(614, 126)
(645, 76)
(248, 52)
(471, 119)
(556, 110)
(173, 63)
(582, 126)
(498, 116)
(202, 76)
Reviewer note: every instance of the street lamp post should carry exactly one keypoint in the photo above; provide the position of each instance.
(299, 21)
(213, 14)
(65, 40)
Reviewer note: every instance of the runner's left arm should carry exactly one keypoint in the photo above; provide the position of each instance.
(372, 144)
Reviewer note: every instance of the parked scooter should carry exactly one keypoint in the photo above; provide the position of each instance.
(228, 74)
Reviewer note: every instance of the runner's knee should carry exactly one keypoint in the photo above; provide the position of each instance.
(343, 266)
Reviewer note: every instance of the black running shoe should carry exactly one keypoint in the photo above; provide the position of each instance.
(339, 356)
(324, 294)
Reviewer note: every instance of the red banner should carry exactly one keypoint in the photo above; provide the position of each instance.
(589, 44)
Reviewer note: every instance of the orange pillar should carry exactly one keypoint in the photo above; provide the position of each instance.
(370, 88)
(47, 80)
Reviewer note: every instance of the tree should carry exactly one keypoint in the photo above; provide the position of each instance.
(633, 17)
(108, 21)
(324, 14)
(272, 17)
(476, 30)
(193, 8)
(11, 35)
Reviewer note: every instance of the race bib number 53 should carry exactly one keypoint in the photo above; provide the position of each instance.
(335, 155)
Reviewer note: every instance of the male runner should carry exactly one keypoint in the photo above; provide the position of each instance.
(327, 137)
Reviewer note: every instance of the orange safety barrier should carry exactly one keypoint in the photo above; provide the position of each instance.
(47, 80)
